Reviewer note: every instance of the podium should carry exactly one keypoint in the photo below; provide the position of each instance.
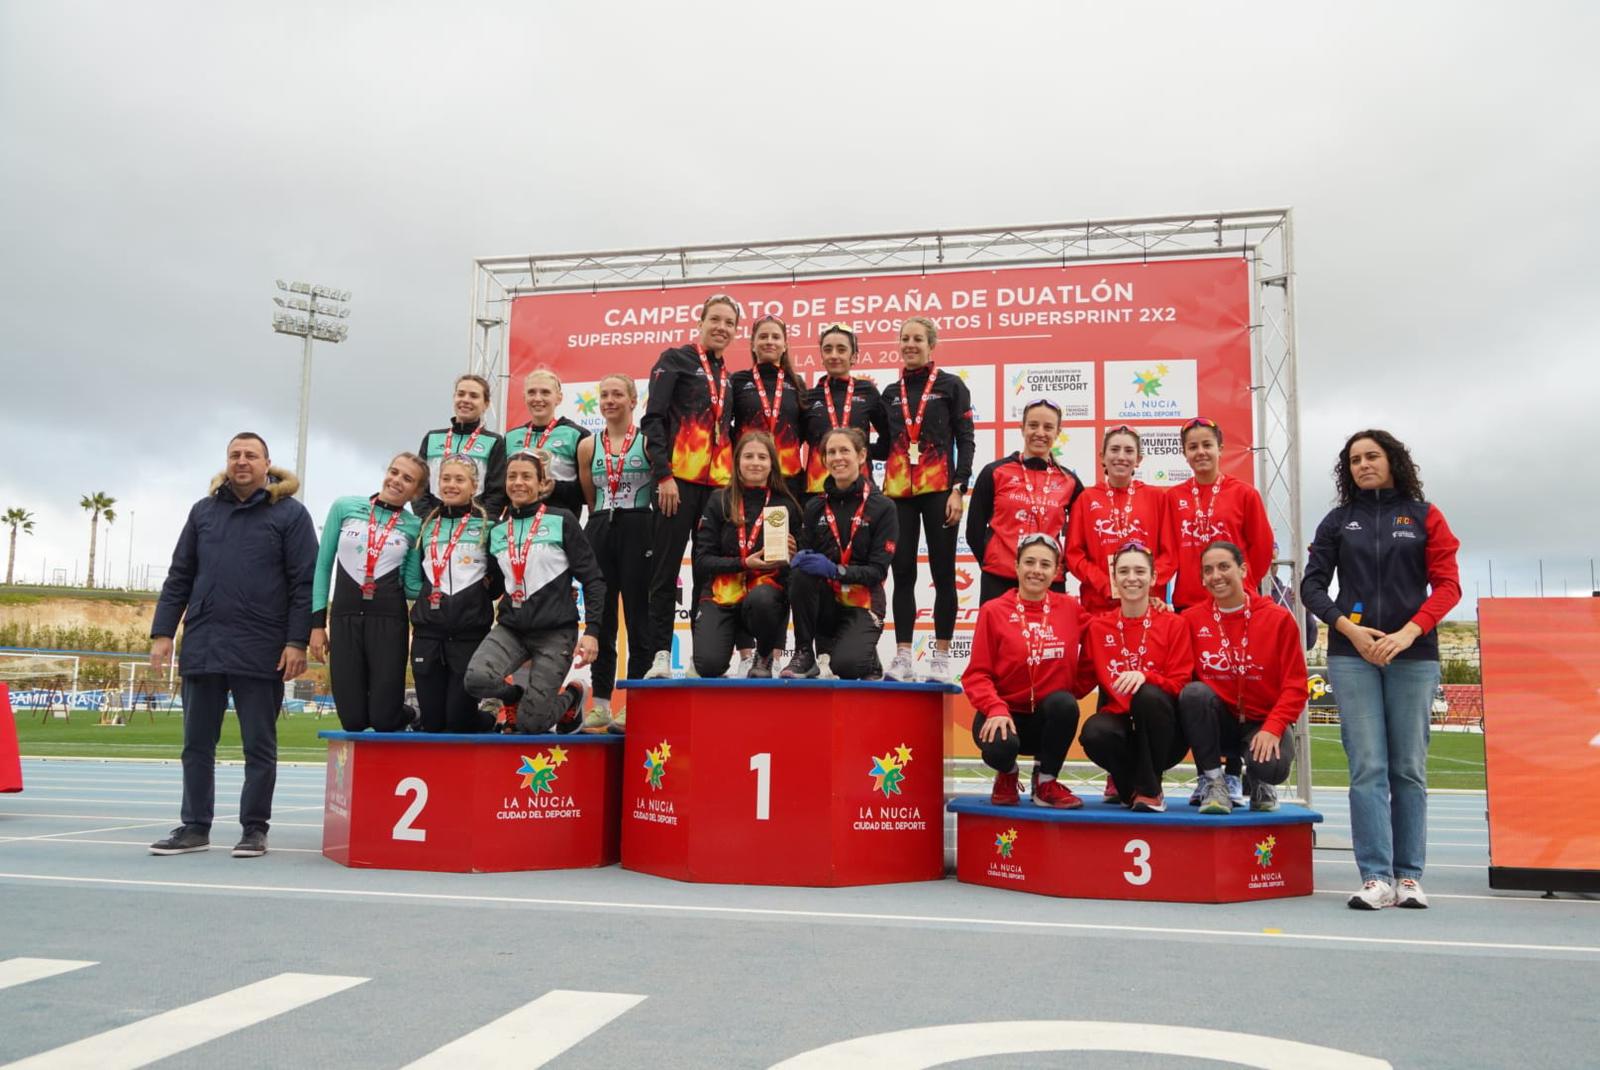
(789, 782)
(471, 803)
(10, 753)
(1104, 851)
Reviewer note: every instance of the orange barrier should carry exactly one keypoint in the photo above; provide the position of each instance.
(1541, 691)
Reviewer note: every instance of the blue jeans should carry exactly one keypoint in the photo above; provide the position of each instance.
(1383, 722)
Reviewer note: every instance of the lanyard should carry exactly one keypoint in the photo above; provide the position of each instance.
(1240, 665)
(519, 555)
(1135, 658)
(436, 595)
(375, 541)
(1202, 517)
(530, 445)
(1121, 530)
(614, 478)
(769, 409)
(914, 427)
(1034, 636)
(842, 418)
(716, 386)
(746, 545)
(466, 450)
(833, 525)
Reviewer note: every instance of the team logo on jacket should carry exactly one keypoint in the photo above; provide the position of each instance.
(1403, 520)
(1354, 525)
(1005, 843)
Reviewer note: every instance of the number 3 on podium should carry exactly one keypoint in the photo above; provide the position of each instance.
(761, 766)
(1141, 872)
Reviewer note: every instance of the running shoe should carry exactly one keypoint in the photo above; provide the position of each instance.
(619, 723)
(802, 666)
(1236, 790)
(900, 667)
(760, 668)
(1199, 791)
(939, 667)
(1150, 804)
(598, 719)
(1214, 799)
(660, 667)
(1004, 792)
(1111, 794)
(1054, 793)
(1410, 895)
(1374, 895)
(825, 668)
(572, 719)
(1263, 797)
(747, 663)
(183, 840)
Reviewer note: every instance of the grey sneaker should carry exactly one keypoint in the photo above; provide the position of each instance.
(661, 667)
(1410, 894)
(598, 719)
(1236, 790)
(900, 667)
(1263, 796)
(184, 840)
(1374, 895)
(760, 668)
(253, 844)
(939, 667)
(1214, 800)
(747, 662)
(1199, 791)
(802, 666)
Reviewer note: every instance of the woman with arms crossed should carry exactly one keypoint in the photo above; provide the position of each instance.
(1395, 560)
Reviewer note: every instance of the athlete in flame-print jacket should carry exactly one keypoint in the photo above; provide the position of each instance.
(945, 441)
(679, 420)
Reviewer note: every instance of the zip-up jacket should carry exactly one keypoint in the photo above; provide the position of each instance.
(682, 435)
(1167, 662)
(1102, 521)
(1272, 688)
(871, 540)
(718, 561)
(240, 580)
(560, 553)
(749, 415)
(823, 406)
(343, 558)
(466, 585)
(945, 442)
(1013, 497)
(487, 452)
(562, 445)
(1394, 555)
(1235, 512)
(998, 679)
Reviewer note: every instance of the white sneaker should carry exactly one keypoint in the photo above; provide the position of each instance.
(939, 667)
(1410, 894)
(598, 719)
(1374, 895)
(661, 667)
(825, 667)
(900, 667)
(746, 663)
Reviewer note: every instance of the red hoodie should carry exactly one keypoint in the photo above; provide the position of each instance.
(1101, 522)
(1273, 687)
(997, 678)
(1168, 660)
(1232, 511)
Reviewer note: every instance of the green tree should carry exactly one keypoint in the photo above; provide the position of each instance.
(17, 518)
(97, 505)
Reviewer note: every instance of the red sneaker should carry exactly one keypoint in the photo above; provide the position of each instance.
(506, 719)
(1111, 794)
(1005, 791)
(1056, 794)
(1150, 804)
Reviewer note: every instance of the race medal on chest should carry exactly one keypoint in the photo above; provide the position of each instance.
(914, 454)
(775, 535)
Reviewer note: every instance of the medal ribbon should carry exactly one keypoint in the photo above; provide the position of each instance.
(842, 418)
(1033, 636)
(769, 410)
(914, 427)
(833, 525)
(436, 596)
(375, 541)
(716, 386)
(745, 546)
(519, 555)
(1136, 659)
(529, 444)
(614, 478)
(1241, 665)
(466, 450)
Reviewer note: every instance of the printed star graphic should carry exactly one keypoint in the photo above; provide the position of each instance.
(666, 750)
(903, 753)
(558, 755)
(886, 775)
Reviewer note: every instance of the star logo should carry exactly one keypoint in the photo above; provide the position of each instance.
(538, 772)
(655, 764)
(1019, 382)
(888, 772)
(1149, 382)
(1005, 843)
(341, 762)
(1264, 851)
(588, 402)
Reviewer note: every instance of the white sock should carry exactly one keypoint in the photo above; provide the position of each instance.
(603, 704)
(1213, 774)
(1045, 778)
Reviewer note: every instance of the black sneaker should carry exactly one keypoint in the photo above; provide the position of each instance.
(253, 844)
(761, 668)
(802, 666)
(184, 840)
(572, 719)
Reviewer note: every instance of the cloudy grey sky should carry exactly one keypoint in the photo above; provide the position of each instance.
(162, 163)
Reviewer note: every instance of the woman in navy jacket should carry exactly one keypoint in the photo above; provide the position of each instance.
(1395, 559)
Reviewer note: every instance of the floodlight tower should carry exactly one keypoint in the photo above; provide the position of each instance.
(314, 301)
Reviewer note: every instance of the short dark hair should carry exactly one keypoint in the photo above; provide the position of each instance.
(258, 438)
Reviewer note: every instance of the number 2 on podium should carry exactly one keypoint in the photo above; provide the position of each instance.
(761, 766)
(403, 829)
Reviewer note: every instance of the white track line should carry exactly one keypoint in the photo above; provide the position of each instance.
(159, 1036)
(533, 1034)
(817, 915)
(21, 971)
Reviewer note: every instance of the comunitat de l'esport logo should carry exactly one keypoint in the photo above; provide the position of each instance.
(538, 772)
(655, 764)
(889, 771)
(1005, 843)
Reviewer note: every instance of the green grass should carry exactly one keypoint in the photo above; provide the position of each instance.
(26, 594)
(83, 738)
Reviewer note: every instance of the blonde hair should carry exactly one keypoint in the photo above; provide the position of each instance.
(627, 382)
(542, 373)
(927, 325)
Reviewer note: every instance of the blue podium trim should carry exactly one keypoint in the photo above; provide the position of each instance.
(490, 738)
(1101, 812)
(803, 684)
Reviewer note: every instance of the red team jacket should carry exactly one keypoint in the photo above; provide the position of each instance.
(1236, 514)
(1098, 527)
(1168, 661)
(1273, 686)
(997, 680)
(1014, 497)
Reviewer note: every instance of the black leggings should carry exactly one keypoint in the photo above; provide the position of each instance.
(619, 538)
(847, 634)
(439, 668)
(1212, 729)
(926, 511)
(764, 612)
(670, 539)
(1045, 733)
(367, 671)
(1138, 746)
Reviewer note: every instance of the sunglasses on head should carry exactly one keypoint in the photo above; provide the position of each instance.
(1038, 537)
(843, 328)
(1133, 544)
(1201, 421)
(1046, 402)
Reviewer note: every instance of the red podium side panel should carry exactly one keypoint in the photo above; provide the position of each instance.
(658, 772)
(10, 753)
(565, 819)
(888, 790)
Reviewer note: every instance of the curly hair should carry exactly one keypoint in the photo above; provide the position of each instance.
(1402, 468)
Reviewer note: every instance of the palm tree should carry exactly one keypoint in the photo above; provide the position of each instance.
(17, 518)
(97, 505)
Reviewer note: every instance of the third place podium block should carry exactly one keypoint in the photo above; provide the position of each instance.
(797, 782)
(471, 803)
(1103, 851)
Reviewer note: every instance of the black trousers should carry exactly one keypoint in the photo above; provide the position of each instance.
(991, 586)
(1138, 746)
(925, 511)
(367, 658)
(619, 538)
(1045, 732)
(1212, 728)
(669, 540)
(256, 701)
(763, 614)
(847, 634)
(439, 667)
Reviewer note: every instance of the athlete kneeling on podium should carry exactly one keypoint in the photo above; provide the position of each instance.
(1138, 654)
(1251, 686)
(1020, 677)
(836, 584)
(536, 552)
(739, 586)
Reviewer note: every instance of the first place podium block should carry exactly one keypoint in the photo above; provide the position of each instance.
(471, 803)
(791, 782)
(1104, 851)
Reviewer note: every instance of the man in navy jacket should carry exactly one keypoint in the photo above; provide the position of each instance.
(241, 583)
